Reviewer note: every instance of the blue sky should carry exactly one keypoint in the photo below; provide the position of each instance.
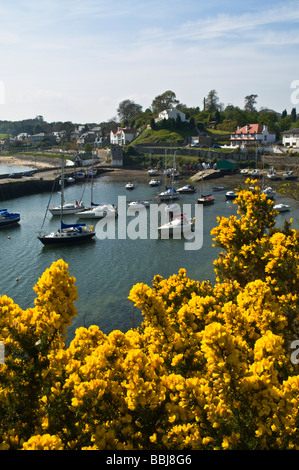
(74, 60)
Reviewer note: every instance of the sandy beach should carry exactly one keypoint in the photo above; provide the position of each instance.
(37, 162)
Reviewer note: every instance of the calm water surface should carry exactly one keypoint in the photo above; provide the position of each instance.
(105, 270)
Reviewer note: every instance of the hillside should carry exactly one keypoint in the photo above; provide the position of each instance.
(162, 136)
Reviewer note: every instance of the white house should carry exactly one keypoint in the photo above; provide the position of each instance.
(291, 138)
(122, 136)
(252, 134)
(171, 113)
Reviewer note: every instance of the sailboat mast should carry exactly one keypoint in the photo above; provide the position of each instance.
(62, 187)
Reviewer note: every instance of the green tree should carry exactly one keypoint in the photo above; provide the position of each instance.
(250, 101)
(127, 109)
(165, 101)
(212, 102)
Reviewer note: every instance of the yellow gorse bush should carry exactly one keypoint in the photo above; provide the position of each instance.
(209, 367)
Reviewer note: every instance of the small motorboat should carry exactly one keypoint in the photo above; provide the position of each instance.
(79, 176)
(281, 207)
(153, 182)
(218, 188)
(129, 186)
(138, 204)
(7, 219)
(187, 189)
(245, 171)
(153, 171)
(206, 200)
(289, 175)
(255, 172)
(180, 224)
(270, 193)
(230, 195)
(271, 174)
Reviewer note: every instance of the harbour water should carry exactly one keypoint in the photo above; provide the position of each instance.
(105, 270)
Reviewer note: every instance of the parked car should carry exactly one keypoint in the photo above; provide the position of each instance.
(216, 146)
(15, 175)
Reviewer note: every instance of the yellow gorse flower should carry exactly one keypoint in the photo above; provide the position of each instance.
(208, 368)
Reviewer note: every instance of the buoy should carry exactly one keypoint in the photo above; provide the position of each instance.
(17, 278)
(9, 237)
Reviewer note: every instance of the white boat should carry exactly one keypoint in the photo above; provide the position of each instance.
(245, 171)
(67, 234)
(153, 182)
(8, 218)
(230, 195)
(129, 185)
(138, 204)
(187, 189)
(98, 211)
(206, 200)
(180, 224)
(271, 174)
(289, 175)
(68, 208)
(153, 171)
(169, 194)
(80, 175)
(255, 172)
(281, 207)
(270, 193)
(91, 172)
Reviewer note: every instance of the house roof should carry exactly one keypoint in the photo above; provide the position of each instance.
(292, 131)
(251, 129)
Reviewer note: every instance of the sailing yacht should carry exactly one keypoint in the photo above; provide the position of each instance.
(169, 194)
(67, 234)
(66, 208)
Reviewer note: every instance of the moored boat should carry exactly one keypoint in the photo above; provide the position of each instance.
(180, 224)
(187, 189)
(230, 195)
(7, 219)
(281, 207)
(206, 200)
(138, 204)
(68, 208)
(68, 234)
(289, 175)
(270, 193)
(98, 211)
(154, 182)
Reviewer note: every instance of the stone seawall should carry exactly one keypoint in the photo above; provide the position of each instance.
(17, 189)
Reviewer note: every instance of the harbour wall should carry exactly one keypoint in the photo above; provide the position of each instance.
(15, 189)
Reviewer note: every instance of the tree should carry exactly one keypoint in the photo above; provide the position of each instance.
(250, 101)
(127, 109)
(212, 102)
(294, 115)
(165, 101)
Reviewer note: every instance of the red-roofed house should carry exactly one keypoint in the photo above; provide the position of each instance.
(252, 134)
(122, 136)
